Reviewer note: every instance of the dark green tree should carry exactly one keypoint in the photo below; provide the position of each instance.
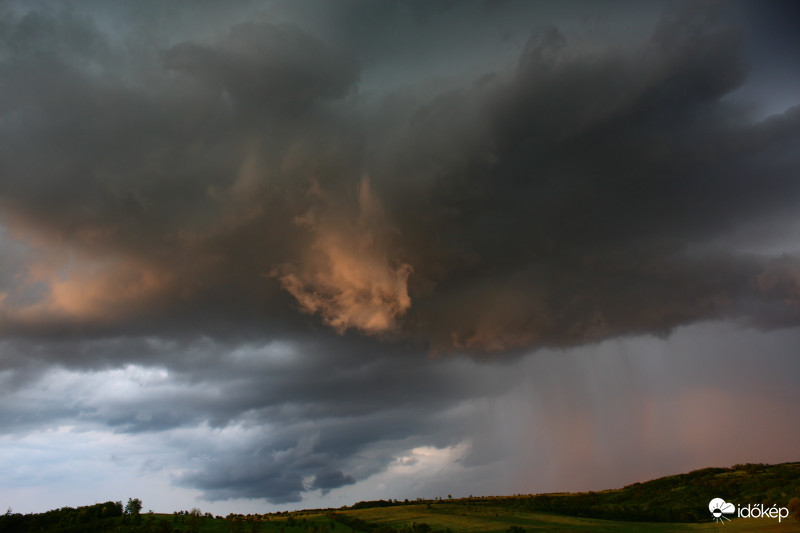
(134, 508)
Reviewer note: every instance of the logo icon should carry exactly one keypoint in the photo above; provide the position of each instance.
(719, 508)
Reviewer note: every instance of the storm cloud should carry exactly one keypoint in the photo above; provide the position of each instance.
(577, 196)
(320, 237)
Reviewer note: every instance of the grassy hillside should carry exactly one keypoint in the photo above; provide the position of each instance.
(497, 520)
(680, 498)
(661, 505)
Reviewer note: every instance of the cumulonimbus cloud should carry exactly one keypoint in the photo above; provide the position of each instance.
(574, 195)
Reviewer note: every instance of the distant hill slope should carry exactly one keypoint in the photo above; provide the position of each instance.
(679, 498)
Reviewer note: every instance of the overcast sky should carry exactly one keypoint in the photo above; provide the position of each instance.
(258, 256)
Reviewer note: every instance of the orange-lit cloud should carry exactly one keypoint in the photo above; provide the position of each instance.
(109, 290)
(61, 283)
(348, 276)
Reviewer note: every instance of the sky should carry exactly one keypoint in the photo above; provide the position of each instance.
(259, 256)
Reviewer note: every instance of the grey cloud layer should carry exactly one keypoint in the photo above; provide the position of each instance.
(284, 421)
(303, 411)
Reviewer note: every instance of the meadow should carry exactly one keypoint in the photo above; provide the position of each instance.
(424, 519)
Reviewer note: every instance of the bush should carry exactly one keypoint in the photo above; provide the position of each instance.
(794, 508)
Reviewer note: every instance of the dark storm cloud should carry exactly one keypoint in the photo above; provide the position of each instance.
(576, 201)
(206, 208)
(161, 186)
(332, 479)
(266, 65)
(574, 196)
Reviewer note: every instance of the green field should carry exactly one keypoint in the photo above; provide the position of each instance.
(487, 520)
(491, 520)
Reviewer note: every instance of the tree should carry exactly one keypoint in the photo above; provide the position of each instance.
(195, 518)
(133, 508)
